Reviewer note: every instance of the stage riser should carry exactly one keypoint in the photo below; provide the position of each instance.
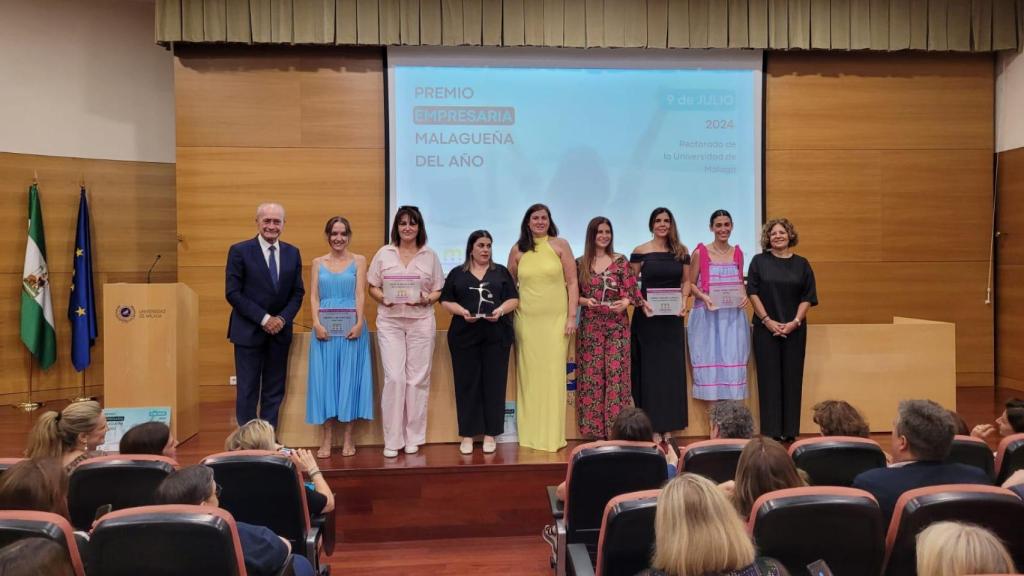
(380, 506)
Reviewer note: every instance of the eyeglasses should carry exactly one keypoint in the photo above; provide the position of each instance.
(217, 490)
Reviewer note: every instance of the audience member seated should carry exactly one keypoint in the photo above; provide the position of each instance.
(71, 434)
(632, 425)
(839, 418)
(957, 549)
(259, 435)
(764, 466)
(1011, 421)
(730, 419)
(961, 424)
(35, 557)
(921, 437)
(696, 534)
(265, 553)
(149, 438)
(35, 484)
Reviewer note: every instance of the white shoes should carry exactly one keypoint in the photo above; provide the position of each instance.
(389, 453)
(467, 446)
(412, 449)
(490, 445)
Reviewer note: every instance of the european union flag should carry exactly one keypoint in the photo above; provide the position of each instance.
(82, 304)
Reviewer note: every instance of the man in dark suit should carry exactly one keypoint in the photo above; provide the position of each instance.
(264, 287)
(921, 437)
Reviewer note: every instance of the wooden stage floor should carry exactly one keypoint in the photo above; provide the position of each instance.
(436, 512)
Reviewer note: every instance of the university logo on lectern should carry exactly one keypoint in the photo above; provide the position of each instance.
(125, 313)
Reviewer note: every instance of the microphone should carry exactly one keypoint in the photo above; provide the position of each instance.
(149, 272)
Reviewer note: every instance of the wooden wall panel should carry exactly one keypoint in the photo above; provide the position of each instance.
(1009, 292)
(133, 217)
(884, 163)
(830, 101)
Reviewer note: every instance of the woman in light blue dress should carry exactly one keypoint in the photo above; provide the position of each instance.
(719, 338)
(340, 370)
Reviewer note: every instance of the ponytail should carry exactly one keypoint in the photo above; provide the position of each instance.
(44, 439)
(56, 433)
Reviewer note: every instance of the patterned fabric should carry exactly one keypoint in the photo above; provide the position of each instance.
(602, 350)
(719, 339)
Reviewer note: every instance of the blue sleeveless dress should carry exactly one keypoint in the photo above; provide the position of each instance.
(340, 370)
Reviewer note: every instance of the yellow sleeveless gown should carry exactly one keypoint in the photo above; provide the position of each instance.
(541, 349)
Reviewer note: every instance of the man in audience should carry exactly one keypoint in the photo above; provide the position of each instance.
(264, 552)
(921, 437)
(730, 419)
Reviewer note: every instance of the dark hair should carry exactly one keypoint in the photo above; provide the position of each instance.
(526, 242)
(416, 218)
(1015, 414)
(590, 247)
(334, 220)
(35, 556)
(839, 418)
(632, 424)
(39, 484)
(677, 248)
(473, 237)
(961, 425)
(146, 438)
(766, 232)
(189, 485)
(928, 428)
(733, 419)
(764, 466)
(718, 213)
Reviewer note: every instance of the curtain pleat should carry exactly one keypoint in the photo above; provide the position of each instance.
(678, 23)
(657, 23)
(879, 14)
(821, 24)
(899, 24)
(840, 30)
(451, 23)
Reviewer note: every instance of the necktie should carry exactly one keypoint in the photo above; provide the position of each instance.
(273, 266)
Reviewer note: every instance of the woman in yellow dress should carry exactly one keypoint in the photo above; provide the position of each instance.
(543, 266)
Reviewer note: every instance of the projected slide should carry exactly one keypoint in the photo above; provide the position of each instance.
(474, 145)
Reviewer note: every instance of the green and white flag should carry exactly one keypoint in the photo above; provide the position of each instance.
(36, 308)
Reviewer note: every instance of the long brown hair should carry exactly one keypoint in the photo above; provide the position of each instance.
(526, 241)
(764, 466)
(590, 247)
(677, 248)
(35, 484)
(57, 432)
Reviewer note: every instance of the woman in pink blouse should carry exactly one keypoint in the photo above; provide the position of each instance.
(405, 278)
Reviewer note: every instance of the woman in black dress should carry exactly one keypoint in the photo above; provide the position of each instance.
(480, 295)
(658, 343)
(781, 287)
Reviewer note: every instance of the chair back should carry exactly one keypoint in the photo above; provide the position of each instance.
(264, 488)
(996, 509)
(6, 463)
(627, 534)
(713, 459)
(19, 524)
(166, 541)
(973, 452)
(836, 460)
(840, 525)
(598, 472)
(1009, 456)
(123, 481)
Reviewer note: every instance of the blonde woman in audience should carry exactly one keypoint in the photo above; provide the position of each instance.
(764, 466)
(258, 434)
(957, 549)
(698, 534)
(71, 434)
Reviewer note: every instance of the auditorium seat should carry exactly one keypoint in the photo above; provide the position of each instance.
(123, 481)
(265, 488)
(18, 524)
(973, 452)
(168, 540)
(836, 460)
(997, 509)
(840, 525)
(713, 459)
(1009, 456)
(6, 463)
(597, 472)
(626, 539)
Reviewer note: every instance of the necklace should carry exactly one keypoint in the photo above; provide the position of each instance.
(718, 251)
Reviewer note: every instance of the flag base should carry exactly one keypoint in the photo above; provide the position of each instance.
(82, 399)
(28, 406)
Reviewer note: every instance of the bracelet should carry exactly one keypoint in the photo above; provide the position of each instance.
(314, 473)
(765, 319)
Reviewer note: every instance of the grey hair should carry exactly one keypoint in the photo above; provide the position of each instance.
(733, 419)
(265, 205)
(928, 428)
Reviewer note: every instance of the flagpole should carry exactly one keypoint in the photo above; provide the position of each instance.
(82, 396)
(29, 405)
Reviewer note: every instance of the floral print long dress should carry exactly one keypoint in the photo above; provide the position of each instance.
(602, 350)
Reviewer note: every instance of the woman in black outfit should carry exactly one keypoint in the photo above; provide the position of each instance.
(480, 295)
(781, 288)
(658, 343)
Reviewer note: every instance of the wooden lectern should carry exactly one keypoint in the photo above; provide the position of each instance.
(151, 351)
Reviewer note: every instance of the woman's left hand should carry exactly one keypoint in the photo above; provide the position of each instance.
(355, 331)
(745, 303)
(495, 315)
(619, 306)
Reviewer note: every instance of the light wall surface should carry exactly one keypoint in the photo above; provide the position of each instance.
(1009, 101)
